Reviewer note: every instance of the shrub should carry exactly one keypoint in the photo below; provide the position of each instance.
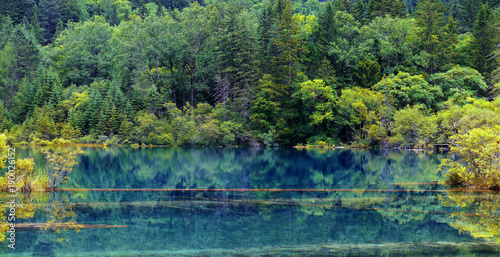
(479, 162)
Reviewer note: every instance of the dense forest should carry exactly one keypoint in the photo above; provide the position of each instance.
(364, 73)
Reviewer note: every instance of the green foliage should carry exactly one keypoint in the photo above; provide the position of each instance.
(266, 107)
(391, 42)
(433, 38)
(359, 109)
(143, 72)
(414, 128)
(456, 119)
(367, 73)
(459, 83)
(321, 98)
(405, 89)
(484, 42)
(83, 52)
(60, 163)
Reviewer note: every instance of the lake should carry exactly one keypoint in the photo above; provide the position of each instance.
(258, 202)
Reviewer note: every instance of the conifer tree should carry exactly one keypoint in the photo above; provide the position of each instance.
(467, 12)
(430, 18)
(484, 42)
(22, 101)
(6, 28)
(36, 29)
(289, 46)
(381, 8)
(26, 51)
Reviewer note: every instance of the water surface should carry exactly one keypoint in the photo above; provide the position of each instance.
(260, 202)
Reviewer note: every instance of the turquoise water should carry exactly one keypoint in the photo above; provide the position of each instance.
(260, 202)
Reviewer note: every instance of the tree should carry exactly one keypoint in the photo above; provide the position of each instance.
(381, 8)
(414, 127)
(289, 46)
(345, 49)
(83, 52)
(460, 118)
(459, 83)
(367, 73)
(26, 51)
(478, 166)
(433, 40)
(321, 98)
(23, 101)
(467, 11)
(36, 29)
(237, 61)
(359, 109)
(266, 107)
(392, 44)
(405, 90)
(49, 14)
(16, 9)
(484, 42)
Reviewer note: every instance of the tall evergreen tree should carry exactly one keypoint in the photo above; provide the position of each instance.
(290, 48)
(381, 8)
(36, 29)
(467, 11)
(433, 40)
(484, 43)
(49, 14)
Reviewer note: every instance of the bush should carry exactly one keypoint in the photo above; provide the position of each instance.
(479, 163)
(322, 144)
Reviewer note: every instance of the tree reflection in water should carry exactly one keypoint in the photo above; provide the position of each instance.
(57, 214)
(478, 213)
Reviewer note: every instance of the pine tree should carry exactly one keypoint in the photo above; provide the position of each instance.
(266, 31)
(36, 29)
(92, 111)
(59, 29)
(381, 8)
(289, 46)
(113, 121)
(325, 32)
(102, 125)
(22, 101)
(467, 12)
(451, 37)
(27, 51)
(362, 11)
(49, 14)
(484, 42)
(44, 87)
(6, 27)
(153, 98)
(430, 18)
(367, 73)
(343, 6)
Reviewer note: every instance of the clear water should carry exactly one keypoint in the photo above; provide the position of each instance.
(218, 202)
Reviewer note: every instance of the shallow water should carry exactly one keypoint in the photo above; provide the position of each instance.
(251, 202)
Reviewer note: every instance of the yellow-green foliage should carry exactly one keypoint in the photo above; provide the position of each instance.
(321, 97)
(60, 163)
(26, 178)
(477, 213)
(322, 144)
(3, 150)
(456, 119)
(413, 127)
(479, 165)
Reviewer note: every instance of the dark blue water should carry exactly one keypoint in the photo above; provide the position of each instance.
(251, 202)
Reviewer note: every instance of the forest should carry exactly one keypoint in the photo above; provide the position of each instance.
(362, 73)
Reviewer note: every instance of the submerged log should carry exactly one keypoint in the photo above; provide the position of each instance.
(64, 225)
